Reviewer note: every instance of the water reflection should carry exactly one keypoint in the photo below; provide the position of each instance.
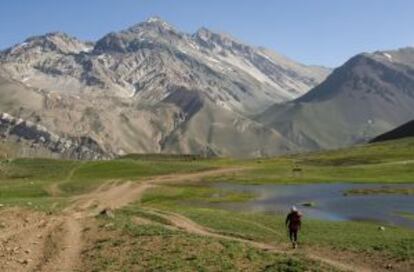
(330, 202)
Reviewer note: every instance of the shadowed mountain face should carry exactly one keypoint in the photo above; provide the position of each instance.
(367, 96)
(404, 131)
(152, 88)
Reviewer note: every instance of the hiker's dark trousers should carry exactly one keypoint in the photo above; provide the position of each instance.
(293, 235)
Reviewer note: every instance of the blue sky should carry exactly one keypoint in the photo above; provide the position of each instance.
(325, 32)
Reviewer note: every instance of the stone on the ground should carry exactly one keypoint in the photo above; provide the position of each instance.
(107, 212)
(388, 266)
(42, 223)
(109, 225)
(24, 261)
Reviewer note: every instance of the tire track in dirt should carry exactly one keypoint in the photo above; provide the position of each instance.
(63, 247)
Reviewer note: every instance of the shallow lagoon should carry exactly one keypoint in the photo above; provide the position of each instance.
(330, 202)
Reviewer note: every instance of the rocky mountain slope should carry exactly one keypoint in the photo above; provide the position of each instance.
(369, 95)
(29, 139)
(151, 88)
(406, 130)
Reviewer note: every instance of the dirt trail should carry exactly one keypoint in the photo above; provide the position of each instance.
(66, 241)
(116, 196)
(64, 246)
(31, 241)
(185, 224)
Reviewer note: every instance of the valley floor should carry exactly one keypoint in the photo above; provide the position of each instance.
(142, 215)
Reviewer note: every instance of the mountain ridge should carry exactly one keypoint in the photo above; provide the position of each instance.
(151, 88)
(368, 95)
(138, 90)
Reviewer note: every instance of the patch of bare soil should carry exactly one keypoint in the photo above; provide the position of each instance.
(23, 239)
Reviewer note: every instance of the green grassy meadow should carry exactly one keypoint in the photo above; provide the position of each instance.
(387, 162)
(48, 185)
(154, 247)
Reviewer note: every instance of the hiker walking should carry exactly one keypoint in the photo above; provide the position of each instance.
(293, 223)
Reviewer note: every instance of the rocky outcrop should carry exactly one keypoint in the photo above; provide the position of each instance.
(36, 136)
